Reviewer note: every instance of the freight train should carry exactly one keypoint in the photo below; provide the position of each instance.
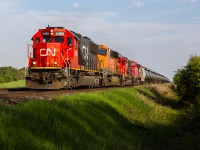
(62, 59)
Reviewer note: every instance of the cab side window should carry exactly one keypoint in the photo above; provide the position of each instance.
(69, 41)
(37, 40)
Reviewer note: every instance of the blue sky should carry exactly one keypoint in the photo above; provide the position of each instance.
(158, 34)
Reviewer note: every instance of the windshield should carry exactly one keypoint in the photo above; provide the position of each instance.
(47, 39)
(133, 64)
(102, 52)
(55, 39)
(59, 39)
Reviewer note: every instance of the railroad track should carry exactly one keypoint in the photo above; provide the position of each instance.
(14, 96)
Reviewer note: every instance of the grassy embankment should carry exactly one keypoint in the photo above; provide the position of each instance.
(128, 118)
(14, 84)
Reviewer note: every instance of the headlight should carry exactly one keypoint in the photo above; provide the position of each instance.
(34, 62)
(55, 63)
(51, 32)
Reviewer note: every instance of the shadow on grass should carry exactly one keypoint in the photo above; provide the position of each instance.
(59, 125)
(184, 134)
(159, 98)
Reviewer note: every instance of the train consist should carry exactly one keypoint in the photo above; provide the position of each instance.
(63, 59)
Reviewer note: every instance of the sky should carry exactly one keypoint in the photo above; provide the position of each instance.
(159, 34)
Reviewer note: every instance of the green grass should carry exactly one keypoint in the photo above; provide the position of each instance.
(128, 118)
(14, 84)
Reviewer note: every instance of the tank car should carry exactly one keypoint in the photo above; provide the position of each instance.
(154, 77)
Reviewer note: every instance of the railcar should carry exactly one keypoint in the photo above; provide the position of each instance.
(114, 67)
(59, 58)
(154, 77)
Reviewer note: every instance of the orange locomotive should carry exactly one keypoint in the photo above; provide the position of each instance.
(60, 58)
(114, 67)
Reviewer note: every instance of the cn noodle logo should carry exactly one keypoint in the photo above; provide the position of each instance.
(46, 52)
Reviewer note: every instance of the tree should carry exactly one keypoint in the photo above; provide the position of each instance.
(187, 79)
(8, 74)
(8, 78)
(1, 79)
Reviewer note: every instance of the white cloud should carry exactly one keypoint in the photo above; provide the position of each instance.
(192, 1)
(10, 5)
(186, 1)
(137, 4)
(75, 5)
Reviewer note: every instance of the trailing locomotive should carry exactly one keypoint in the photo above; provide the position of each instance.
(59, 58)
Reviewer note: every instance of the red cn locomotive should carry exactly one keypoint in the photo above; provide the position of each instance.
(60, 58)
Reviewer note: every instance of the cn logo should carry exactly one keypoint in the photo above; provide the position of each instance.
(46, 52)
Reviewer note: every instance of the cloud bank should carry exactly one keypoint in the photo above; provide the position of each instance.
(163, 47)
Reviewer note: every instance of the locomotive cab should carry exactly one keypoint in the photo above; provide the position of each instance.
(50, 47)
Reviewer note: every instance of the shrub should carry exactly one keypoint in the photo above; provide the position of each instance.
(187, 79)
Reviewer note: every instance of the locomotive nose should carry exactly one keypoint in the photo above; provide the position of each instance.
(48, 55)
(48, 50)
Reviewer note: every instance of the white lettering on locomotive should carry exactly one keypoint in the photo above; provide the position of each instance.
(45, 52)
(85, 53)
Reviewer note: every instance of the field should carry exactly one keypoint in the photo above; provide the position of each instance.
(142, 117)
(14, 84)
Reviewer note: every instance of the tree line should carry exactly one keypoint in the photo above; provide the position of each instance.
(9, 74)
(187, 80)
